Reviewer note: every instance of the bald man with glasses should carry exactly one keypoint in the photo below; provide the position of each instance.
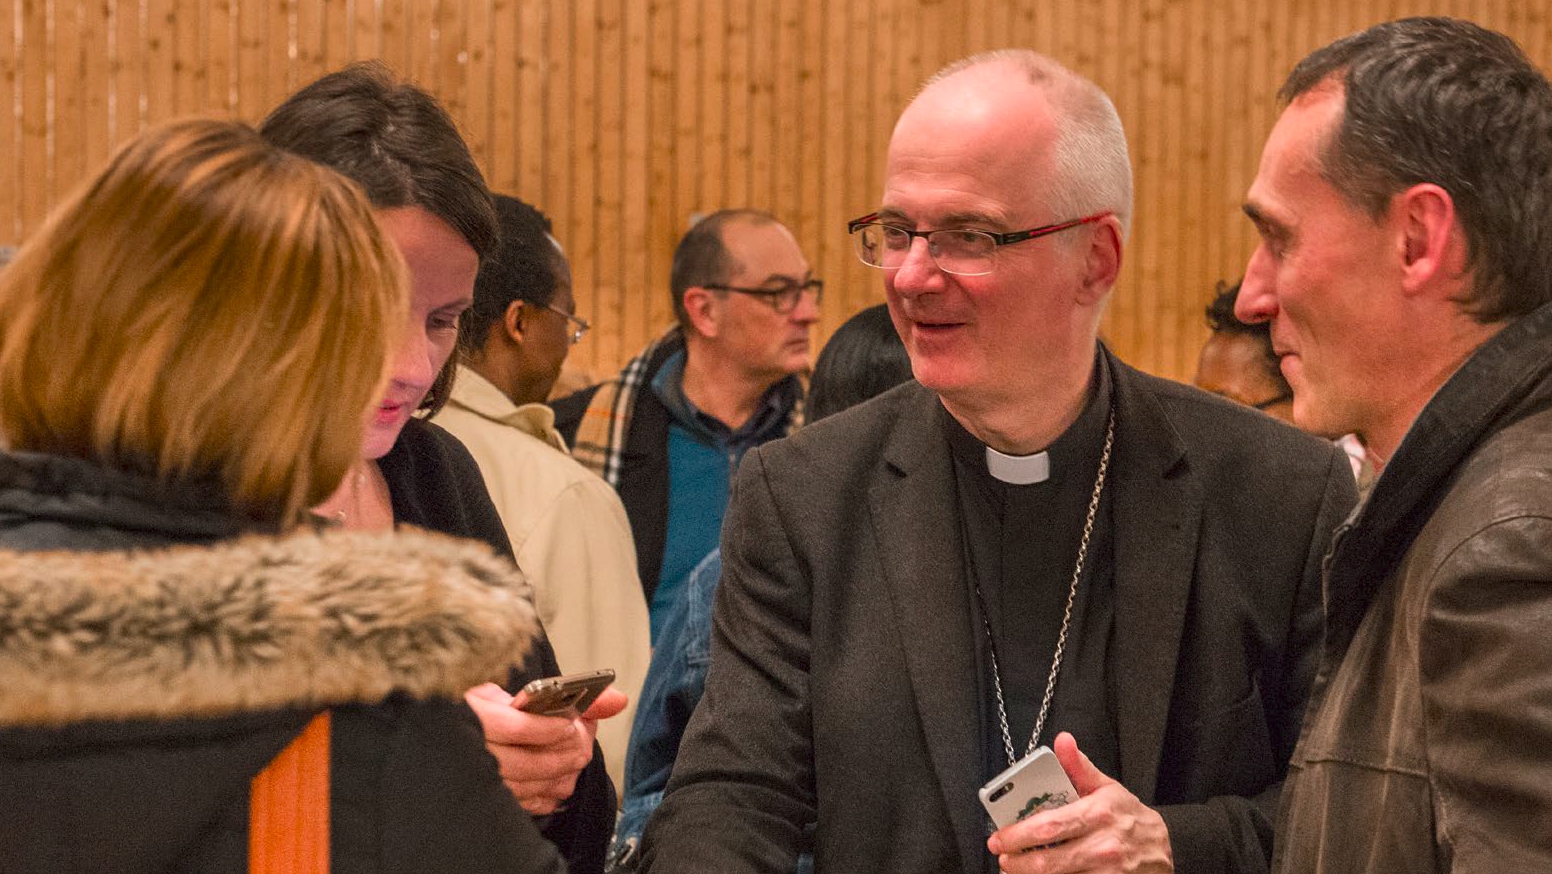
(1033, 544)
(670, 430)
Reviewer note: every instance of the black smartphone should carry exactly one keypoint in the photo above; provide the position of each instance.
(567, 695)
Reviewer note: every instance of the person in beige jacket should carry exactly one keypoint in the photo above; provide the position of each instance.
(568, 528)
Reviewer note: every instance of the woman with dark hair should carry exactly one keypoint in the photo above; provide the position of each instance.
(172, 618)
(863, 359)
(401, 147)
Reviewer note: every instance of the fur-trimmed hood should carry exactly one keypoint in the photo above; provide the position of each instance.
(309, 619)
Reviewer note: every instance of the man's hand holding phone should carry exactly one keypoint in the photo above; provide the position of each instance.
(540, 756)
(1106, 829)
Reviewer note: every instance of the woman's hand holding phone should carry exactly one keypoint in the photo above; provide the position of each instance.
(539, 756)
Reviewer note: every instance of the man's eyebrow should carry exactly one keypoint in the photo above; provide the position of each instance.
(948, 221)
(785, 279)
(1262, 221)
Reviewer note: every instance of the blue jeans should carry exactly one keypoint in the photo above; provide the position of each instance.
(676, 678)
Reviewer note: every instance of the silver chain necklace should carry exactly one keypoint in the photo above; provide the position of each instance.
(1061, 637)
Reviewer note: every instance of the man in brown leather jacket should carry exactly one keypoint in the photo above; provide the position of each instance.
(1404, 203)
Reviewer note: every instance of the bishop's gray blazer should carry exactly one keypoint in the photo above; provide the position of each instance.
(843, 685)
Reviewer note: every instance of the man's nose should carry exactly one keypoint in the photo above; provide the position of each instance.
(918, 271)
(1257, 298)
(807, 309)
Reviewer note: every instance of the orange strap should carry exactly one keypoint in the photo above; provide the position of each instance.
(288, 810)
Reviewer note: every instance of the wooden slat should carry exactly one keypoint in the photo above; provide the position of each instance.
(688, 142)
(478, 112)
(505, 100)
(160, 38)
(606, 213)
(532, 120)
(419, 24)
(191, 67)
(827, 199)
(311, 26)
(663, 224)
(253, 35)
(790, 121)
(279, 71)
(637, 281)
(736, 127)
(713, 131)
(221, 53)
(761, 126)
(448, 41)
(336, 20)
(36, 58)
(575, 27)
(12, 176)
(366, 32)
(394, 32)
(70, 52)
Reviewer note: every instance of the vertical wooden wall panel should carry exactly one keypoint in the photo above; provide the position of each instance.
(621, 118)
(588, 268)
(220, 54)
(159, 35)
(37, 183)
(70, 51)
(530, 116)
(662, 144)
(606, 208)
(12, 175)
(475, 52)
(631, 154)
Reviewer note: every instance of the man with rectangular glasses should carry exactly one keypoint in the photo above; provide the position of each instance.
(1033, 544)
(669, 431)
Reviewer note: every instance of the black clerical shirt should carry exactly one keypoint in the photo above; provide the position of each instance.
(1021, 544)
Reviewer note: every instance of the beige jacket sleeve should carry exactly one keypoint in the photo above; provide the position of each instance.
(579, 554)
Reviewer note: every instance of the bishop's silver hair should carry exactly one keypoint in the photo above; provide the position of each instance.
(1092, 169)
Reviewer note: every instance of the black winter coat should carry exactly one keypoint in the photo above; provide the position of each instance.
(154, 658)
(435, 484)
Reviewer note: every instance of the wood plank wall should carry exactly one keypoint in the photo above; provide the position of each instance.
(622, 118)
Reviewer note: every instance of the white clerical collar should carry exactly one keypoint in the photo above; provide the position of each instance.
(1018, 470)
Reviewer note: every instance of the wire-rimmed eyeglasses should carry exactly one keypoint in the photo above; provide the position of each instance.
(960, 251)
(578, 325)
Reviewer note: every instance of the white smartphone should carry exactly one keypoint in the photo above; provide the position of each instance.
(1030, 785)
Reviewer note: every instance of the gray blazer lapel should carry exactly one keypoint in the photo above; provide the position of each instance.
(1157, 513)
(914, 509)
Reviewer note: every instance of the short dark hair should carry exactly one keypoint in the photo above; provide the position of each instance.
(1221, 320)
(701, 258)
(863, 358)
(522, 267)
(1448, 102)
(399, 144)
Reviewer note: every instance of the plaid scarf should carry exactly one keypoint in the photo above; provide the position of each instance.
(601, 434)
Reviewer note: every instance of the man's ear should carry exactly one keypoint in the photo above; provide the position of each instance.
(512, 321)
(703, 307)
(1432, 247)
(1102, 262)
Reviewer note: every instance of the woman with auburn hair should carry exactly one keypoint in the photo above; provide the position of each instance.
(191, 345)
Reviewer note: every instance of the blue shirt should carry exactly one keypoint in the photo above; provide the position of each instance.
(703, 454)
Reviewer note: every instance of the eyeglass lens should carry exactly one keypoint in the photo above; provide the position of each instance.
(965, 252)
